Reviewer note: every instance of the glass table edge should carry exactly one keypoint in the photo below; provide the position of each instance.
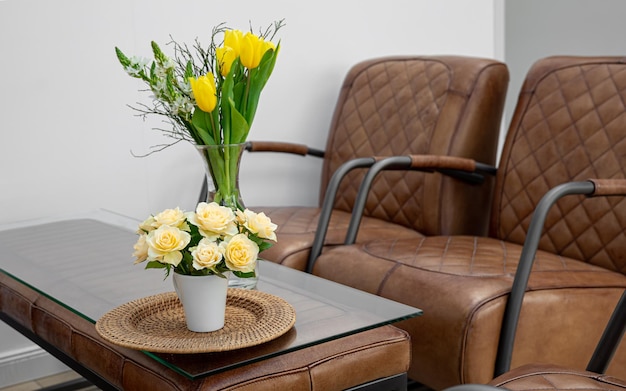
(48, 296)
(277, 353)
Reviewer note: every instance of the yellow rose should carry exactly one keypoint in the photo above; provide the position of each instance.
(165, 244)
(260, 224)
(141, 249)
(171, 217)
(213, 220)
(240, 253)
(207, 254)
(204, 92)
(252, 50)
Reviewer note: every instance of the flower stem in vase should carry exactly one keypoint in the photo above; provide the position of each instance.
(222, 170)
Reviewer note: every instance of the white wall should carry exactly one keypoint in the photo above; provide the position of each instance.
(67, 133)
(540, 28)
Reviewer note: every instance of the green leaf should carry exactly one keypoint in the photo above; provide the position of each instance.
(244, 275)
(155, 265)
(258, 78)
(239, 125)
(228, 96)
(202, 123)
(265, 245)
(153, 76)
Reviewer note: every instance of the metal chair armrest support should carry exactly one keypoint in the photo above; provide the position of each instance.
(592, 187)
(610, 339)
(464, 169)
(328, 203)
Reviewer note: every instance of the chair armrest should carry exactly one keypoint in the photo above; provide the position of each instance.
(284, 147)
(467, 170)
(590, 188)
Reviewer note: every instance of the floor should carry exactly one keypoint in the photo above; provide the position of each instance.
(50, 381)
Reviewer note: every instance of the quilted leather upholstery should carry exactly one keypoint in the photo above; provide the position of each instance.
(572, 129)
(568, 125)
(441, 105)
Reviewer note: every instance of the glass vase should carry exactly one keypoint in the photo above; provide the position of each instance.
(222, 173)
(221, 163)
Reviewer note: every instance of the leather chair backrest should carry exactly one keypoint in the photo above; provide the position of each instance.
(443, 105)
(569, 124)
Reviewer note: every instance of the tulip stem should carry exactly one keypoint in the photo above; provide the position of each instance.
(244, 109)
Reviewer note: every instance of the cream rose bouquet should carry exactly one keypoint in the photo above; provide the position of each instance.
(212, 240)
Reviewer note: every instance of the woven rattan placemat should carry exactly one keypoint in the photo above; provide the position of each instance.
(157, 323)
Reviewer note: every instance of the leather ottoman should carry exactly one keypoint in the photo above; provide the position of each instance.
(363, 358)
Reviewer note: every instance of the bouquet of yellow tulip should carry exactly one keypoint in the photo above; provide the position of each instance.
(209, 95)
(213, 239)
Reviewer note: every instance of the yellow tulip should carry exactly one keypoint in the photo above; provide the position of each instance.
(252, 50)
(232, 39)
(225, 57)
(204, 91)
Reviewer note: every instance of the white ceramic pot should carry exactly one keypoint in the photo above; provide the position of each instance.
(203, 299)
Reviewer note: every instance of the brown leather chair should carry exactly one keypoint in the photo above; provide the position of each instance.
(556, 378)
(441, 105)
(569, 125)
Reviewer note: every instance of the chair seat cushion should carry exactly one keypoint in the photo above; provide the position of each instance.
(462, 283)
(552, 377)
(297, 226)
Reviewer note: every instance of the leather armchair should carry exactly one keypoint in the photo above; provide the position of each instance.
(440, 105)
(568, 126)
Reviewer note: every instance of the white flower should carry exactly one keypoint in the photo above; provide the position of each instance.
(213, 221)
(147, 225)
(181, 105)
(165, 244)
(260, 224)
(160, 71)
(141, 249)
(137, 64)
(172, 217)
(240, 253)
(207, 254)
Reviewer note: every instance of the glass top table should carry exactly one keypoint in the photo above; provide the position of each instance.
(84, 263)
